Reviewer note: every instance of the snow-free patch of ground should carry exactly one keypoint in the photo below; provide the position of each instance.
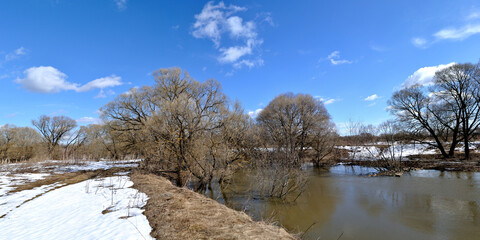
(103, 208)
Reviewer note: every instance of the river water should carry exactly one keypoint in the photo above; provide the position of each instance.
(343, 202)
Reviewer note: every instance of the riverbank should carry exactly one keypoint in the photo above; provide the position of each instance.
(427, 162)
(179, 213)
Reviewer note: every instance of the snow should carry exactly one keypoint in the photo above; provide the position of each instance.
(101, 208)
(57, 166)
(371, 151)
(75, 212)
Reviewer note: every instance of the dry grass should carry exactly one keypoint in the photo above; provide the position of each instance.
(67, 178)
(179, 213)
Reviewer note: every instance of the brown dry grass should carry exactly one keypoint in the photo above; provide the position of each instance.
(179, 213)
(68, 178)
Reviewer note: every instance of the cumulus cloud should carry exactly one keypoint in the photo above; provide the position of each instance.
(334, 58)
(254, 114)
(216, 22)
(424, 76)
(47, 79)
(372, 97)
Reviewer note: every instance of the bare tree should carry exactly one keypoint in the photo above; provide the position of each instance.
(18, 143)
(293, 128)
(449, 112)
(53, 129)
(181, 127)
(422, 114)
(291, 122)
(458, 87)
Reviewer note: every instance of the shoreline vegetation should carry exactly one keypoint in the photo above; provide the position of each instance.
(180, 213)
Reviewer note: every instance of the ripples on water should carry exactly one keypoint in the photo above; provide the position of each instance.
(424, 204)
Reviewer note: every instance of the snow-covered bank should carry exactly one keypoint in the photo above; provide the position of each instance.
(373, 151)
(103, 208)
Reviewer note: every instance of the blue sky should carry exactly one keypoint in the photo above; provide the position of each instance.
(72, 57)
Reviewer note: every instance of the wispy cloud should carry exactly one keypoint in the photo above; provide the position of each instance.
(458, 33)
(88, 120)
(470, 27)
(473, 15)
(371, 97)
(326, 101)
(424, 76)
(419, 42)
(215, 22)
(335, 59)
(47, 79)
(21, 51)
(121, 4)
(377, 48)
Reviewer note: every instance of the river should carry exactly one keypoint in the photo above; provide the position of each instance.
(344, 202)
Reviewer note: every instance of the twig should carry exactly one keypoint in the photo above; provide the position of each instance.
(139, 230)
(311, 225)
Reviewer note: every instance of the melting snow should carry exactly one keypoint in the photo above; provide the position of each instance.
(102, 208)
(75, 212)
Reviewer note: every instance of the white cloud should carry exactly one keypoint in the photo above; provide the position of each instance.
(103, 94)
(88, 120)
(473, 15)
(372, 97)
(326, 101)
(176, 27)
(419, 42)
(101, 83)
(469, 28)
(424, 76)
(334, 58)
(232, 54)
(215, 21)
(47, 79)
(458, 33)
(121, 4)
(248, 63)
(238, 29)
(16, 54)
(254, 114)
(329, 101)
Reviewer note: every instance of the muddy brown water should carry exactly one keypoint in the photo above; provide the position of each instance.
(343, 202)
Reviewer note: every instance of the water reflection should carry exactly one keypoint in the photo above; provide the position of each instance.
(343, 200)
